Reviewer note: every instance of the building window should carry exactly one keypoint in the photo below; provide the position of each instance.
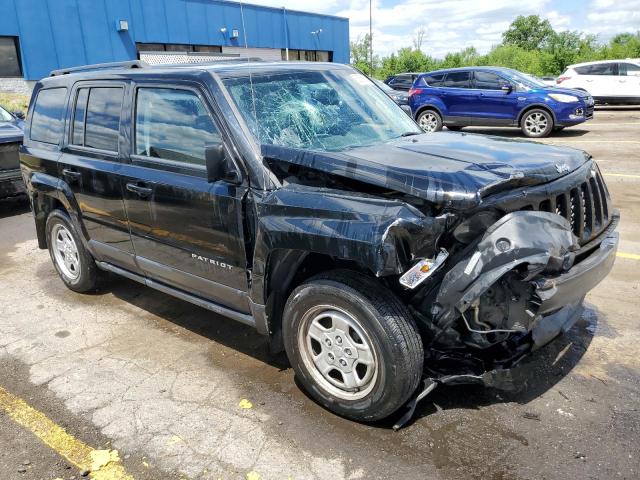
(307, 55)
(9, 58)
(177, 47)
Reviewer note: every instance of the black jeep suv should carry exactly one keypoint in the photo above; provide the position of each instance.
(301, 200)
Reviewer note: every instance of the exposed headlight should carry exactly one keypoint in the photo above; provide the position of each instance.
(564, 98)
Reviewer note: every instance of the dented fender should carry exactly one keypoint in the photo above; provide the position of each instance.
(544, 241)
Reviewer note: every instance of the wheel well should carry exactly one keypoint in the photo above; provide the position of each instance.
(43, 206)
(536, 107)
(288, 269)
(428, 107)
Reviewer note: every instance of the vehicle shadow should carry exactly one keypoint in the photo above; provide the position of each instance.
(14, 206)
(200, 321)
(572, 132)
(540, 372)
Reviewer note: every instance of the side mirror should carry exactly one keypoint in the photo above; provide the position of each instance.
(218, 165)
(506, 87)
(18, 114)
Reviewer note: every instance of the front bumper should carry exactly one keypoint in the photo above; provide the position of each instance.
(562, 274)
(11, 183)
(573, 113)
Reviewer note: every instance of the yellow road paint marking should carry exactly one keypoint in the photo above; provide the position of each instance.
(102, 464)
(631, 256)
(624, 175)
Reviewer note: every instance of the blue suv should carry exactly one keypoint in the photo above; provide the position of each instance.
(495, 96)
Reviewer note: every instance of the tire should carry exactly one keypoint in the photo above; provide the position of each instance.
(340, 313)
(558, 129)
(536, 123)
(74, 264)
(454, 128)
(429, 121)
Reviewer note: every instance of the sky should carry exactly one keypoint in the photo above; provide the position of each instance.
(457, 24)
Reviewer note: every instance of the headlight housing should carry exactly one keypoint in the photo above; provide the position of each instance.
(563, 97)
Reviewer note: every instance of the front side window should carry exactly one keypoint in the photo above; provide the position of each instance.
(457, 80)
(173, 124)
(326, 110)
(96, 119)
(47, 120)
(488, 81)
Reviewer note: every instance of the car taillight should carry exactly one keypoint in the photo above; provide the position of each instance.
(414, 91)
(559, 80)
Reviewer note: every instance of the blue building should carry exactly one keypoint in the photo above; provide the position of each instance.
(38, 36)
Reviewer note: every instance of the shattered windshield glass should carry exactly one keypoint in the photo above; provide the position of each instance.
(326, 110)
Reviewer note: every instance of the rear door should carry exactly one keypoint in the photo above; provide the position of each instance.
(493, 106)
(91, 165)
(458, 96)
(187, 232)
(629, 80)
(600, 79)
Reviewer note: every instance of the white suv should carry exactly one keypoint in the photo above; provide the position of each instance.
(608, 81)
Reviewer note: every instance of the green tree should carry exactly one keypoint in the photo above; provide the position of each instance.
(360, 55)
(529, 33)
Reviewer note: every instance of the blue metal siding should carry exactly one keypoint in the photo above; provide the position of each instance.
(65, 33)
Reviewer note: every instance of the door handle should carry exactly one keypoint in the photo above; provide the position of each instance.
(71, 175)
(142, 192)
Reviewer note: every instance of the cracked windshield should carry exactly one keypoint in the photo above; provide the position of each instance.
(328, 110)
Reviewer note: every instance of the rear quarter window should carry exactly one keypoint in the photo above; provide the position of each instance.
(433, 80)
(47, 120)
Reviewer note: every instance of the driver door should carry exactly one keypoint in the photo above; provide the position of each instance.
(187, 233)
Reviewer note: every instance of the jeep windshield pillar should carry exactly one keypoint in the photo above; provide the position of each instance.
(379, 257)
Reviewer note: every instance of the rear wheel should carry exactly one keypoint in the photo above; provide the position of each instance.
(536, 123)
(353, 345)
(74, 264)
(430, 121)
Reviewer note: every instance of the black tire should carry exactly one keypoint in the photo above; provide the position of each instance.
(387, 325)
(536, 123)
(88, 274)
(429, 120)
(558, 129)
(454, 128)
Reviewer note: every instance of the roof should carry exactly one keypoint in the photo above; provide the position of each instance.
(597, 62)
(479, 68)
(137, 67)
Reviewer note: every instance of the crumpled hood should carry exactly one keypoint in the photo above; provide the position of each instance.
(9, 132)
(456, 169)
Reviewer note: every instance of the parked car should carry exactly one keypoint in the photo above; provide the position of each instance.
(495, 96)
(401, 81)
(614, 82)
(11, 127)
(300, 200)
(399, 96)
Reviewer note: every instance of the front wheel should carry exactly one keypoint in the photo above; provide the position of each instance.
(537, 123)
(430, 121)
(353, 345)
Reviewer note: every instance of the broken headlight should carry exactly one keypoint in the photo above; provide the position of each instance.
(475, 226)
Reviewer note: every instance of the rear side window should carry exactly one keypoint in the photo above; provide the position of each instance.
(488, 81)
(48, 115)
(629, 69)
(457, 80)
(434, 79)
(102, 123)
(173, 124)
(598, 69)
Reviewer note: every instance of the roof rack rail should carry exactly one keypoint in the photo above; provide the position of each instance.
(100, 66)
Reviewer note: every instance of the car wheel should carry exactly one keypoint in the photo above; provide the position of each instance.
(430, 121)
(74, 264)
(354, 346)
(537, 123)
(454, 128)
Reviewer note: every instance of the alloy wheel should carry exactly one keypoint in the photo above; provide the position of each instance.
(65, 252)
